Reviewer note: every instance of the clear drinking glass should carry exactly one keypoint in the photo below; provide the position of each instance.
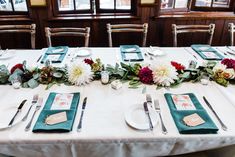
(205, 79)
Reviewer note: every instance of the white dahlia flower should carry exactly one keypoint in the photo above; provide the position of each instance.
(164, 74)
(79, 74)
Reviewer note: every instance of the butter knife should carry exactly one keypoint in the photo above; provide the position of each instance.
(18, 110)
(79, 128)
(146, 110)
(224, 127)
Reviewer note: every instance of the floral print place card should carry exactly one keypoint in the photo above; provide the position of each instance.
(183, 102)
(62, 101)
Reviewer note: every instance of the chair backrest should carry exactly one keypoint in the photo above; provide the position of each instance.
(177, 29)
(231, 29)
(68, 31)
(31, 29)
(118, 28)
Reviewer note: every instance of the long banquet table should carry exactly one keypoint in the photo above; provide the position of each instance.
(105, 132)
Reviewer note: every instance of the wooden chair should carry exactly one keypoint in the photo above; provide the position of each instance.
(20, 29)
(231, 29)
(118, 28)
(69, 31)
(178, 29)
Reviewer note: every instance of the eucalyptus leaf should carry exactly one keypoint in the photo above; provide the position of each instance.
(185, 75)
(36, 76)
(4, 74)
(50, 85)
(25, 85)
(32, 83)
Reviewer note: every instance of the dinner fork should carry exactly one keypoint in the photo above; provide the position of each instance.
(38, 106)
(34, 101)
(149, 99)
(158, 110)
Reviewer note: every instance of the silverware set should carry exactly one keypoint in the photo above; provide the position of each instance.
(34, 102)
(38, 106)
(157, 109)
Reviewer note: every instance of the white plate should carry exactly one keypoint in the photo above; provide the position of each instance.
(83, 52)
(6, 114)
(156, 52)
(6, 54)
(137, 118)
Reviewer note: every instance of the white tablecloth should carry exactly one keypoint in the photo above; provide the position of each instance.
(105, 132)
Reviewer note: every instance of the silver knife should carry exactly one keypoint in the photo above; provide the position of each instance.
(230, 48)
(79, 128)
(18, 110)
(224, 127)
(147, 113)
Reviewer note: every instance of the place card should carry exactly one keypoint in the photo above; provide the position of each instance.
(183, 102)
(53, 57)
(56, 118)
(210, 55)
(193, 120)
(62, 101)
(131, 56)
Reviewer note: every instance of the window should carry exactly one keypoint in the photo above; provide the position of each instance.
(197, 5)
(173, 5)
(212, 5)
(13, 7)
(93, 6)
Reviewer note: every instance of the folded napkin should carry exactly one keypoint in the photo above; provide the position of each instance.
(51, 107)
(206, 128)
(131, 53)
(55, 54)
(207, 52)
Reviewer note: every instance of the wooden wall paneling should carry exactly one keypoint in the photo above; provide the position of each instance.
(68, 40)
(199, 38)
(225, 37)
(219, 28)
(167, 33)
(15, 40)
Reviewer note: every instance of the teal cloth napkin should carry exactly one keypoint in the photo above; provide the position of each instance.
(131, 49)
(59, 51)
(206, 128)
(41, 126)
(202, 49)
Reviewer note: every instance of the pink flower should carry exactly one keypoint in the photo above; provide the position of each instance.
(88, 61)
(230, 63)
(177, 66)
(145, 75)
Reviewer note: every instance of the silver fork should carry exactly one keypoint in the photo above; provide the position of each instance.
(149, 99)
(157, 108)
(34, 101)
(38, 106)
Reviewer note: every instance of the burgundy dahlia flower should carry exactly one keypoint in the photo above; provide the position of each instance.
(145, 75)
(230, 63)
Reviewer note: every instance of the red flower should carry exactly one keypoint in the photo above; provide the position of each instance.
(177, 66)
(230, 63)
(145, 75)
(17, 66)
(88, 61)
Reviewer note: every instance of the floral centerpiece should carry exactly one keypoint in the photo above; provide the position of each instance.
(161, 74)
